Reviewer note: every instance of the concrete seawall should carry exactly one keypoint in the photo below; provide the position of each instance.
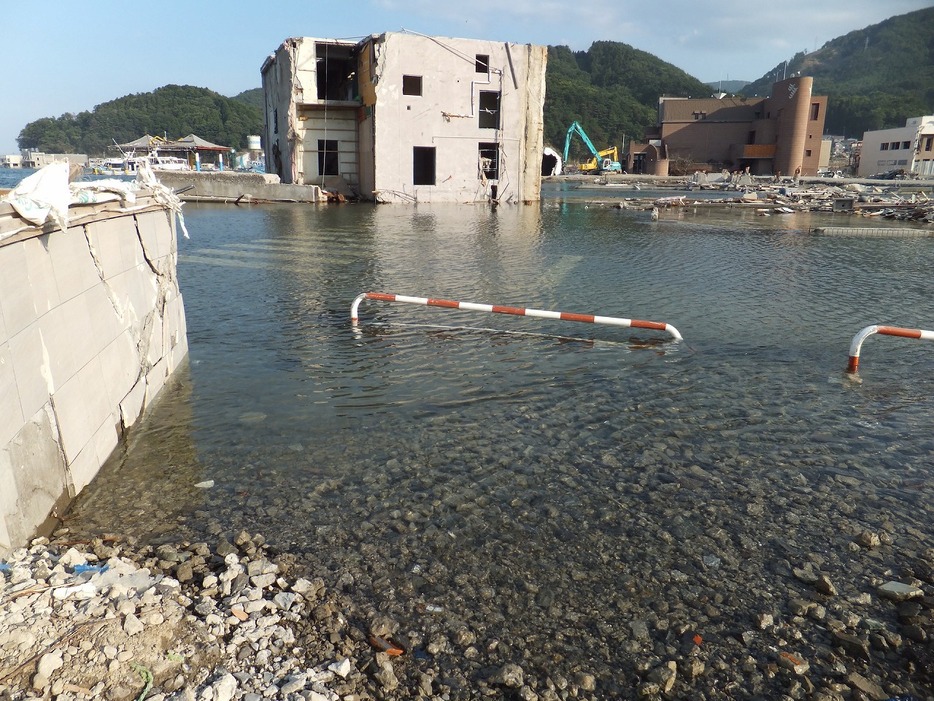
(231, 186)
(92, 325)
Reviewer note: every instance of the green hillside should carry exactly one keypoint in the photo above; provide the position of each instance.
(612, 90)
(173, 111)
(875, 78)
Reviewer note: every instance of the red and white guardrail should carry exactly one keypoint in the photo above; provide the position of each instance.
(865, 333)
(516, 311)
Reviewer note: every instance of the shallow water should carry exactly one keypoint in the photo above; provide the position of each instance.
(544, 470)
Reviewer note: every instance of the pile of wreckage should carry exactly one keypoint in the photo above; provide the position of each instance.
(787, 196)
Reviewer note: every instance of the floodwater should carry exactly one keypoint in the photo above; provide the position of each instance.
(520, 463)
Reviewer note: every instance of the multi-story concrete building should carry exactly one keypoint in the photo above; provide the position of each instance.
(32, 158)
(781, 133)
(909, 148)
(407, 118)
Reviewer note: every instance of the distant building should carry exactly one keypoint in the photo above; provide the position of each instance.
(909, 148)
(767, 135)
(36, 159)
(406, 117)
(11, 161)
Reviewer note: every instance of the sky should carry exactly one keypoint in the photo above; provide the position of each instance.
(66, 56)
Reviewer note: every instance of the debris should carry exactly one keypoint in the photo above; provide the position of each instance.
(387, 645)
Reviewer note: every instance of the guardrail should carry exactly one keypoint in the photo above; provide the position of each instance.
(865, 333)
(515, 311)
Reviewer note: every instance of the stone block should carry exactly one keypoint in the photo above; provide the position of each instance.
(10, 407)
(120, 364)
(75, 272)
(106, 320)
(106, 245)
(131, 408)
(43, 287)
(156, 379)
(68, 343)
(81, 407)
(155, 233)
(16, 302)
(32, 464)
(32, 369)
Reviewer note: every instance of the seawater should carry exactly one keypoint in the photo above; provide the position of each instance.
(556, 473)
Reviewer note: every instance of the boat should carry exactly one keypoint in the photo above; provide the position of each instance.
(129, 164)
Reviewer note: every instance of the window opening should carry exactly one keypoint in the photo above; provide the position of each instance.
(489, 109)
(815, 111)
(336, 72)
(411, 85)
(488, 159)
(328, 161)
(423, 165)
(483, 63)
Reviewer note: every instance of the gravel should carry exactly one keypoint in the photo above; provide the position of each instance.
(112, 618)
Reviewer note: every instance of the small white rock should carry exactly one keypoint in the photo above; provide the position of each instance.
(341, 668)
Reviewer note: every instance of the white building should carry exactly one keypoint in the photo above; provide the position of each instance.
(910, 148)
(407, 118)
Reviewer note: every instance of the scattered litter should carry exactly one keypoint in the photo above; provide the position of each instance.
(207, 484)
(390, 647)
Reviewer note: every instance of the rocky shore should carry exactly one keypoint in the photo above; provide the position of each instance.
(110, 618)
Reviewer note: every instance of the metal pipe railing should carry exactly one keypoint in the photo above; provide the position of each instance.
(516, 311)
(865, 333)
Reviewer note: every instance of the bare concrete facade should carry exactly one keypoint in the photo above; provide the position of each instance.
(909, 148)
(402, 117)
(781, 133)
(92, 325)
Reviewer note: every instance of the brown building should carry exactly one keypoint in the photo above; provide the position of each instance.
(767, 135)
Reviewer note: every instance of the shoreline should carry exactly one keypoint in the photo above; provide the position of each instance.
(112, 618)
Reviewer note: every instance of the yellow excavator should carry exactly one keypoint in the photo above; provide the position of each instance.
(605, 161)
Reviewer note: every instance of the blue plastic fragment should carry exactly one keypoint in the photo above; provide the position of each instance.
(81, 569)
(4, 567)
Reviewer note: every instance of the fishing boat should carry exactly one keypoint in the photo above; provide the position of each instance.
(129, 164)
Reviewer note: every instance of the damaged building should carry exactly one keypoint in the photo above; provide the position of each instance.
(403, 117)
(779, 134)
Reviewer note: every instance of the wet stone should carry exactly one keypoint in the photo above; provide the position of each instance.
(897, 591)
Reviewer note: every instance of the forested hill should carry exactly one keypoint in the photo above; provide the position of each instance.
(172, 110)
(612, 90)
(875, 77)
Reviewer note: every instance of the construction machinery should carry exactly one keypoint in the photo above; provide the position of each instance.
(605, 161)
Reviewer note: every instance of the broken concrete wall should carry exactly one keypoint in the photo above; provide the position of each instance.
(92, 324)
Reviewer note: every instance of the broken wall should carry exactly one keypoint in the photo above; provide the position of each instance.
(92, 324)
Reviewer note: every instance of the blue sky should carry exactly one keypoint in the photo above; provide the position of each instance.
(70, 55)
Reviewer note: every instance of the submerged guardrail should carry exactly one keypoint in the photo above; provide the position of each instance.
(515, 311)
(865, 333)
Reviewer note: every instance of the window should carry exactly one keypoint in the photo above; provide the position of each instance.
(411, 85)
(423, 165)
(483, 63)
(275, 121)
(488, 160)
(895, 145)
(807, 153)
(700, 115)
(327, 157)
(489, 109)
(884, 147)
(815, 110)
(929, 143)
(906, 144)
